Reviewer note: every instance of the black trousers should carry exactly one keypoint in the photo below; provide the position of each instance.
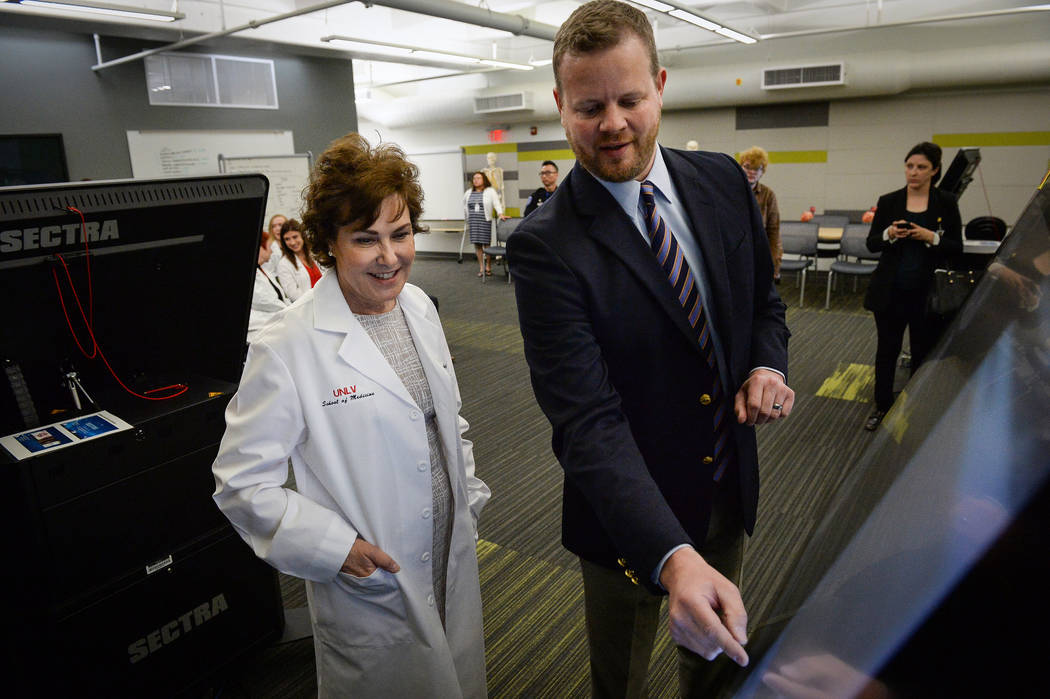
(907, 309)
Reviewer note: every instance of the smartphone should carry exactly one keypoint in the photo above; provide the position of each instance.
(906, 224)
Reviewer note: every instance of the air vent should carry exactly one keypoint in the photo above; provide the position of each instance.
(510, 102)
(804, 76)
(208, 80)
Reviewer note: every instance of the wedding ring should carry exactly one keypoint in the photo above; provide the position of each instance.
(778, 406)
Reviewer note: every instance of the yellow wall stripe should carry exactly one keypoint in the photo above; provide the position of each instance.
(491, 148)
(1003, 138)
(795, 156)
(798, 156)
(563, 154)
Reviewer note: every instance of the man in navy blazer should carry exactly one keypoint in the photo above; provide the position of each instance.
(618, 370)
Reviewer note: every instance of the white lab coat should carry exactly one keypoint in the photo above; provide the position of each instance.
(270, 267)
(316, 388)
(266, 301)
(294, 278)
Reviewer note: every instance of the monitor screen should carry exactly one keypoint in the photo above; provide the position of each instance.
(32, 159)
(161, 271)
(931, 556)
(960, 173)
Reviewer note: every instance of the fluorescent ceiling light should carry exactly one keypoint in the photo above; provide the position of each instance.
(446, 57)
(735, 35)
(538, 62)
(436, 55)
(105, 8)
(506, 64)
(686, 14)
(654, 5)
(695, 19)
(369, 47)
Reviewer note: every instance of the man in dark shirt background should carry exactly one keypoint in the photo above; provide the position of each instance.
(549, 178)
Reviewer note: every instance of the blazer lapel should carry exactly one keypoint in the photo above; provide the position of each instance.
(703, 217)
(331, 313)
(611, 228)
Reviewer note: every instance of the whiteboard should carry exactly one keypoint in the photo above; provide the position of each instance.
(288, 175)
(441, 175)
(187, 153)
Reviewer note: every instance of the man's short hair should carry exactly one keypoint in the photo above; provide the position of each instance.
(600, 25)
(551, 163)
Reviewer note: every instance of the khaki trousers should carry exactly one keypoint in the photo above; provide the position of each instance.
(622, 617)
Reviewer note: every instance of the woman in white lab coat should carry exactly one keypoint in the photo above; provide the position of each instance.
(481, 207)
(273, 235)
(268, 298)
(296, 270)
(355, 384)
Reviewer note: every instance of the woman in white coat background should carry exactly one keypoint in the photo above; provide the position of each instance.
(296, 270)
(481, 205)
(355, 384)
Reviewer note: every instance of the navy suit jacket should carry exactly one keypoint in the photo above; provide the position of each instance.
(616, 368)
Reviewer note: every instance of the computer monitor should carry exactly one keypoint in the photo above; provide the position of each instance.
(960, 173)
(36, 158)
(172, 268)
(926, 576)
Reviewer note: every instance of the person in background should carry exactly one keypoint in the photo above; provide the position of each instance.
(356, 388)
(549, 179)
(480, 202)
(656, 341)
(267, 298)
(273, 236)
(296, 270)
(755, 162)
(916, 229)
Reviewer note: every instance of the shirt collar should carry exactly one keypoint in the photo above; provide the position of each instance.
(627, 193)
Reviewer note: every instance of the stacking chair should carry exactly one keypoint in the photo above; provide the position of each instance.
(853, 244)
(829, 233)
(798, 238)
(499, 250)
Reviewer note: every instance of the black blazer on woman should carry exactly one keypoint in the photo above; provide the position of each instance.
(893, 207)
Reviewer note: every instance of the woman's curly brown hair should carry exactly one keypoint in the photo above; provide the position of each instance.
(347, 187)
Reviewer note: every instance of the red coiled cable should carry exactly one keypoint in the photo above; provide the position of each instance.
(89, 320)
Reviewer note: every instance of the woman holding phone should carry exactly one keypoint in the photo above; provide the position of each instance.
(915, 228)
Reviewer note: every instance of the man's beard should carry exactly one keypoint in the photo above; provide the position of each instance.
(623, 170)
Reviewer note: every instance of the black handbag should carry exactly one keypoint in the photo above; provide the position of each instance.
(951, 289)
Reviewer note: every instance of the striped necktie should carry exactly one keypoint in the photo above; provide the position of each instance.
(670, 257)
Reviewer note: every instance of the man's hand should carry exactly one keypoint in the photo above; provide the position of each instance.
(757, 400)
(364, 558)
(707, 615)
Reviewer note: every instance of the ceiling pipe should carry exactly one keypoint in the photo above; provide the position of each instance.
(459, 12)
(870, 74)
(908, 22)
(254, 24)
(444, 9)
(866, 27)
